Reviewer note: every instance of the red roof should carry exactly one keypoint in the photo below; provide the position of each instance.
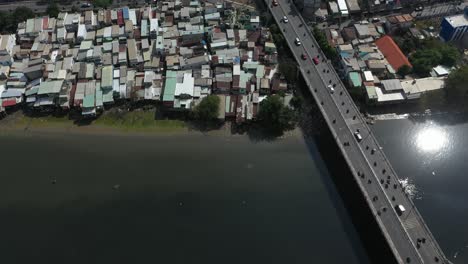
(45, 23)
(392, 52)
(9, 102)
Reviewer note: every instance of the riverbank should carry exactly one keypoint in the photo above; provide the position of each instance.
(109, 122)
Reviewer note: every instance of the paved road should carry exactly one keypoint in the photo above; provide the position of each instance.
(11, 6)
(408, 236)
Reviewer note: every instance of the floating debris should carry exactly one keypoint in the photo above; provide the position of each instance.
(116, 187)
(53, 180)
(433, 173)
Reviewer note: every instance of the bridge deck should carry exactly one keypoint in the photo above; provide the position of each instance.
(407, 234)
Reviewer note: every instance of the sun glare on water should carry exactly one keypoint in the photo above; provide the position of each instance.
(431, 139)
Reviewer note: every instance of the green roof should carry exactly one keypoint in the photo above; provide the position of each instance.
(260, 71)
(371, 94)
(108, 96)
(50, 87)
(355, 78)
(32, 91)
(244, 78)
(99, 99)
(88, 101)
(86, 45)
(170, 86)
(107, 77)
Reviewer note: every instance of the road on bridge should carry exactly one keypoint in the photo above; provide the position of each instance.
(408, 236)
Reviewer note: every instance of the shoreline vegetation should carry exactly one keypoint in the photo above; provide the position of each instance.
(118, 121)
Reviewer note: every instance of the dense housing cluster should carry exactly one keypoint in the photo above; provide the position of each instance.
(175, 53)
(369, 60)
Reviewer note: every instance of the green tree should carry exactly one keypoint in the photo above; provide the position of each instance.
(207, 109)
(22, 14)
(9, 21)
(53, 9)
(329, 51)
(450, 55)
(102, 3)
(456, 87)
(423, 61)
(274, 116)
(289, 71)
(404, 70)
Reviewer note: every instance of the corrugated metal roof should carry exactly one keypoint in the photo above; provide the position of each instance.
(88, 100)
(50, 87)
(355, 78)
(392, 52)
(106, 77)
(170, 86)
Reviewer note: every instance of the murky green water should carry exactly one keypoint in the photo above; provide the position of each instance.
(169, 199)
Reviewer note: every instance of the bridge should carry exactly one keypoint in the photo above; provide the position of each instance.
(408, 237)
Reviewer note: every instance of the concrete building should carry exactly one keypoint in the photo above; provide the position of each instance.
(454, 27)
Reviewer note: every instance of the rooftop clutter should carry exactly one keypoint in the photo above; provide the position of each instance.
(175, 53)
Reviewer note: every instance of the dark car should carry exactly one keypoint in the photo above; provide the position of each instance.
(316, 60)
(303, 56)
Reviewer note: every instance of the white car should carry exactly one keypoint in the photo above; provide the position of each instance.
(297, 41)
(332, 90)
(358, 136)
(400, 209)
(285, 19)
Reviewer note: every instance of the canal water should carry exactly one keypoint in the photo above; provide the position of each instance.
(76, 198)
(432, 155)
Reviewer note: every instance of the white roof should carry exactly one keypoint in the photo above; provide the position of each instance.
(422, 85)
(388, 97)
(342, 6)
(458, 20)
(81, 31)
(368, 76)
(236, 69)
(154, 24)
(132, 16)
(186, 87)
(441, 70)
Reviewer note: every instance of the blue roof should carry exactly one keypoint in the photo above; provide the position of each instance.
(345, 54)
(125, 13)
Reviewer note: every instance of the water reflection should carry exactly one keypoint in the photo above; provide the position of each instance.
(431, 139)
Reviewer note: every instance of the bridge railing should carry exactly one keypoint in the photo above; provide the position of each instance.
(386, 160)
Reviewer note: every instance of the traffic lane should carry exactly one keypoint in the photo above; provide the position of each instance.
(350, 111)
(357, 147)
(384, 194)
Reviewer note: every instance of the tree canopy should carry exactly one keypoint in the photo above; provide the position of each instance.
(207, 109)
(53, 9)
(9, 20)
(456, 85)
(289, 70)
(329, 51)
(102, 3)
(274, 116)
(431, 54)
(404, 70)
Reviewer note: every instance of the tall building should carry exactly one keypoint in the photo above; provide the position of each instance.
(454, 27)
